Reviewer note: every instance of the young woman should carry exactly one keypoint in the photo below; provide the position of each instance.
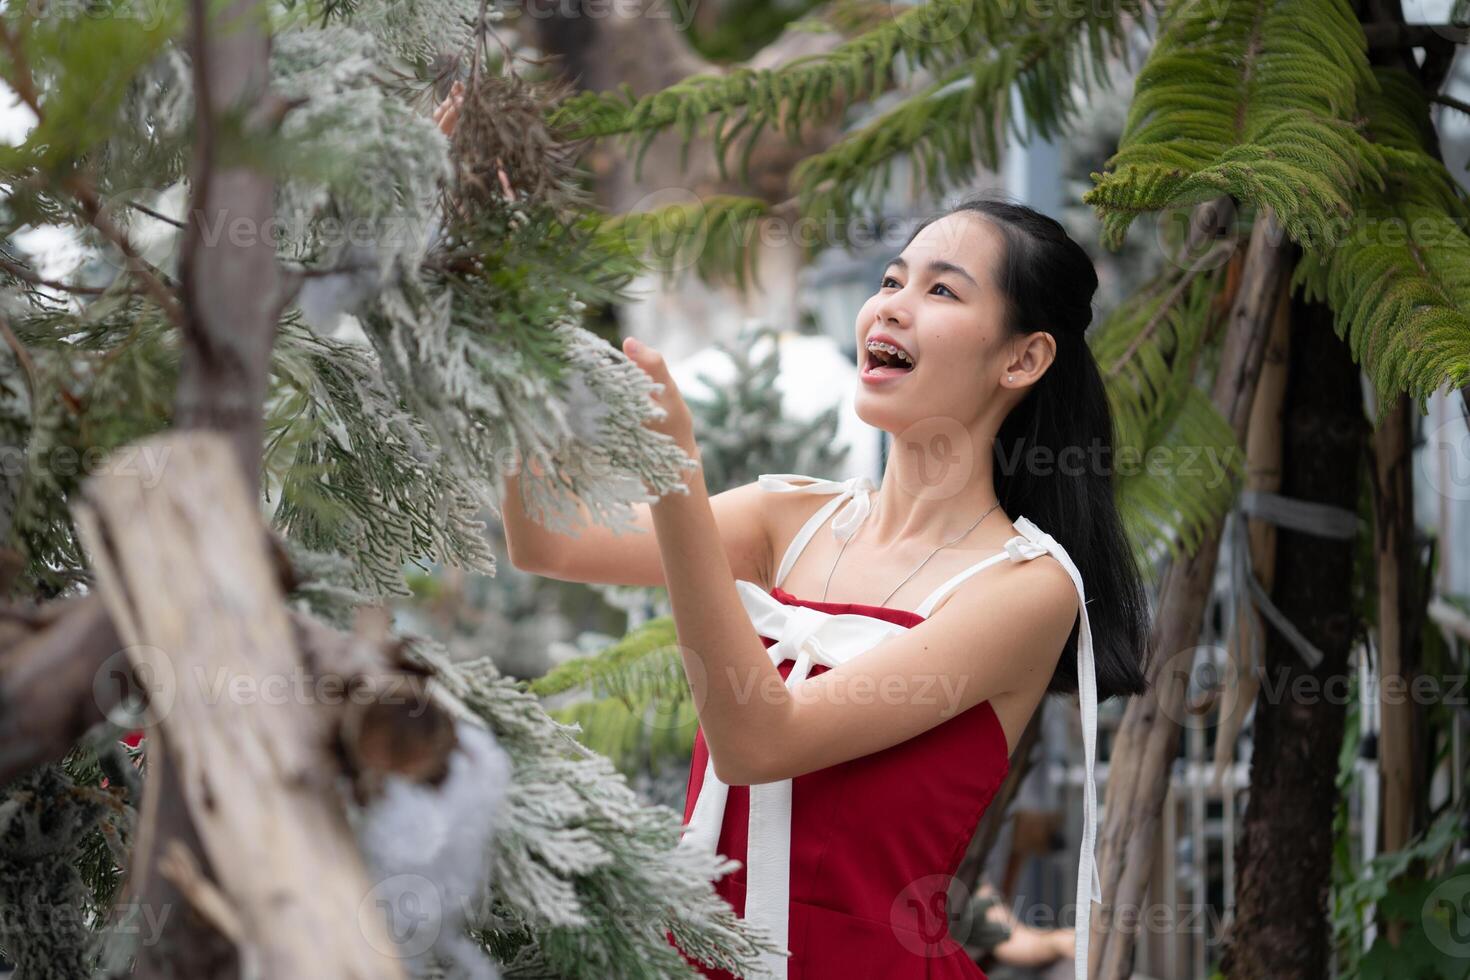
(862, 658)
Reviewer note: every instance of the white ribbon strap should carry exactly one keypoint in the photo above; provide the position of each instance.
(1036, 542)
(808, 637)
(858, 490)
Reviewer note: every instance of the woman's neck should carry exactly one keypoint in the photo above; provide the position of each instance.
(932, 494)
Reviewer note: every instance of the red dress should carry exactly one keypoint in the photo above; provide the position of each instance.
(874, 841)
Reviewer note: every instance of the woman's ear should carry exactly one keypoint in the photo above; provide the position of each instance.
(1032, 355)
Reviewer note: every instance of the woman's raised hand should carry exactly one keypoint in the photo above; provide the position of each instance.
(447, 113)
(678, 421)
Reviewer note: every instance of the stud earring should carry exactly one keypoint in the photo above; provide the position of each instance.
(1010, 377)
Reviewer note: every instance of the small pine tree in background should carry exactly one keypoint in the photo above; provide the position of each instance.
(743, 431)
(741, 428)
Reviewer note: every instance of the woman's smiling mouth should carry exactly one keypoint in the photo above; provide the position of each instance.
(883, 360)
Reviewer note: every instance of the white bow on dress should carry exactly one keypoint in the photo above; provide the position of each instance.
(857, 489)
(808, 637)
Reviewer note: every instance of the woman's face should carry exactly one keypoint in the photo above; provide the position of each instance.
(937, 300)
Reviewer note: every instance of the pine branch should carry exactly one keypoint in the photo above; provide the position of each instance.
(94, 62)
(1399, 281)
(30, 277)
(1149, 348)
(933, 36)
(955, 123)
(366, 169)
(363, 478)
(587, 880)
(1450, 101)
(100, 379)
(616, 669)
(717, 235)
(959, 121)
(1255, 100)
(640, 713)
(48, 823)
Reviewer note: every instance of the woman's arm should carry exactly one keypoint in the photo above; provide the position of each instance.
(993, 636)
(996, 634)
(598, 554)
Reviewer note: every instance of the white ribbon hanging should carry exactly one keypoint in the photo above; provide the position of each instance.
(1035, 543)
(808, 637)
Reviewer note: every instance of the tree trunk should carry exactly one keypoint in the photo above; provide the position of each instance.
(1403, 583)
(1282, 929)
(1263, 475)
(231, 288)
(250, 764)
(231, 283)
(1402, 756)
(1148, 739)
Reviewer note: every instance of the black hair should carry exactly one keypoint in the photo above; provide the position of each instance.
(1048, 282)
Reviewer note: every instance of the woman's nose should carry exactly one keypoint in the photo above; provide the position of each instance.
(892, 309)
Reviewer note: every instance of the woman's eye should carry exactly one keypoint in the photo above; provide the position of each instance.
(883, 284)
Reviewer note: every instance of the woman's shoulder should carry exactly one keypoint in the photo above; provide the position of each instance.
(787, 494)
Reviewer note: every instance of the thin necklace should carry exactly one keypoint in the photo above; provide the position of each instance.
(916, 569)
